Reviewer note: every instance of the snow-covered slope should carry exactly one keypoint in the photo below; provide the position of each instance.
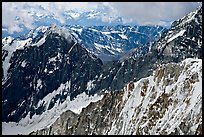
(46, 119)
(182, 40)
(167, 102)
(112, 42)
(43, 64)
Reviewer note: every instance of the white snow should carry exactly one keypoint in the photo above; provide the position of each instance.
(136, 106)
(77, 29)
(39, 84)
(41, 41)
(41, 28)
(74, 15)
(191, 16)
(92, 15)
(27, 125)
(23, 64)
(123, 36)
(176, 35)
(106, 32)
(39, 14)
(62, 31)
(11, 48)
(21, 44)
(90, 85)
(110, 49)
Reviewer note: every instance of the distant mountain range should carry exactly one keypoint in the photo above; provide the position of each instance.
(70, 17)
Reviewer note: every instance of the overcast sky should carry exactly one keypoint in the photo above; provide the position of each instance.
(142, 13)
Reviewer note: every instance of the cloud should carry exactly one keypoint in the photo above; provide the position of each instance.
(23, 11)
(154, 12)
(15, 14)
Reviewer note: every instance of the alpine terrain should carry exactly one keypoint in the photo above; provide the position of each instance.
(104, 80)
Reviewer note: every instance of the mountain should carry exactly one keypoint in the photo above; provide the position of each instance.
(183, 40)
(112, 42)
(97, 17)
(33, 69)
(168, 101)
(163, 103)
(68, 90)
(108, 42)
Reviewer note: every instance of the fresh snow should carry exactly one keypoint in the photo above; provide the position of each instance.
(62, 31)
(106, 32)
(42, 29)
(41, 41)
(74, 15)
(39, 84)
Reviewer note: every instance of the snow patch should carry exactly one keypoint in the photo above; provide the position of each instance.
(41, 41)
(39, 84)
(23, 64)
(123, 36)
(90, 85)
(47, 118)
(176, 35)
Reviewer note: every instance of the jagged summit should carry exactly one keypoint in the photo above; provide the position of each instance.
(32, 70)
(182, 40)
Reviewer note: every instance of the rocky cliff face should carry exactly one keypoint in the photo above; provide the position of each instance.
(167, 102)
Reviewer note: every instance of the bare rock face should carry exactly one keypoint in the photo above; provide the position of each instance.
(63, 125)
(95, 119)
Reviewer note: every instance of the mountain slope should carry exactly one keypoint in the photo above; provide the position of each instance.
(33, 70)
(153, 104)
(167, 102)
(183, 40)
(50, 59)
